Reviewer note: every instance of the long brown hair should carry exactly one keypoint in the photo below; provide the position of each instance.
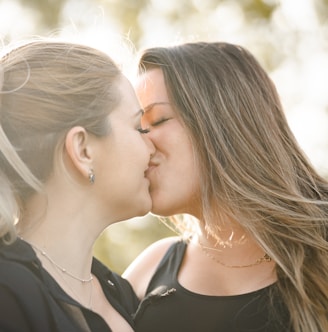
(252, 168)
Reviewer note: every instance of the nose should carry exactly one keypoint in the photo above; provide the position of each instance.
(150, 144)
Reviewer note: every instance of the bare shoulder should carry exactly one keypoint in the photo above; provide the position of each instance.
(140, 271)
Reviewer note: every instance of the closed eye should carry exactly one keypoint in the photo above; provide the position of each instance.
(157, 123)
(143, 131)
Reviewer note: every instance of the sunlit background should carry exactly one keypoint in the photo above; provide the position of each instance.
(289, 38)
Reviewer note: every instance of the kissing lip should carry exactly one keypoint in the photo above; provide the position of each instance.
(151, 166)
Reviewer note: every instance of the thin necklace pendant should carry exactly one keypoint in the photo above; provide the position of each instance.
(60, 268)
(266, 258)
(77, 296)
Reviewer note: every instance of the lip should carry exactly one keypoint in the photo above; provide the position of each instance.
(151, 166)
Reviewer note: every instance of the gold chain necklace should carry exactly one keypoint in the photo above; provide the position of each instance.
(266, 258)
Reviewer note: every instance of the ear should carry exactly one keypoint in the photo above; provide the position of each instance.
(78, 147)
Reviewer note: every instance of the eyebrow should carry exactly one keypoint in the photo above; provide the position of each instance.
(152, 105)
(139, 112)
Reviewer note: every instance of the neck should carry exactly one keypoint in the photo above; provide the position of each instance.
(231, 248)
(70, 260)
(227, 237)
(61, 268)
(66, 235)
(66, 244)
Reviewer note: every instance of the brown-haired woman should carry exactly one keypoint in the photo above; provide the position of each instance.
(254, 255)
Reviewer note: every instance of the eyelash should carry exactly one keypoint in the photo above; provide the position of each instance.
(143, 131)
(147, 130)
(159, 122)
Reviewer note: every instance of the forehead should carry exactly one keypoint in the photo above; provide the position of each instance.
(150, 87)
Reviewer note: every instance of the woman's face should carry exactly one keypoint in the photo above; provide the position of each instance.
(123, 158)
(173, 173)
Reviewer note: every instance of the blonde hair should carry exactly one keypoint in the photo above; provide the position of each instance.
(46, 88)
(252, 169)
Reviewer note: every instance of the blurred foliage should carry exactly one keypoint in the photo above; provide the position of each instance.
(322, 10)
(49, 11)
(127, 12)
(258, 9)
(122, 242)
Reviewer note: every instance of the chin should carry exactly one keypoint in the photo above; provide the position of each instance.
(144, 208)
(161, 212)
(158, 208)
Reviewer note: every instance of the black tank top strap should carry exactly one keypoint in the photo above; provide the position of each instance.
(169, 266)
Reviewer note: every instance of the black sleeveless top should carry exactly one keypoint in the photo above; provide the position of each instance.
(169, 307)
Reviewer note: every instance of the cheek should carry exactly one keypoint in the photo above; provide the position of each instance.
(188, 167)
(139, 149)
(168, 138)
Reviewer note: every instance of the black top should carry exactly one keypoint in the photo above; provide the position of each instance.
(169, 307)
(31, 300)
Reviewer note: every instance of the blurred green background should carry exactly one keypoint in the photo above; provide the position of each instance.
(289, 37)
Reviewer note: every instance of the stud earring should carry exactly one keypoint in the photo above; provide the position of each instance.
(92, 176)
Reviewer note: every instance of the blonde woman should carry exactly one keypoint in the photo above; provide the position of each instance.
(254, 257)
(73, 161)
